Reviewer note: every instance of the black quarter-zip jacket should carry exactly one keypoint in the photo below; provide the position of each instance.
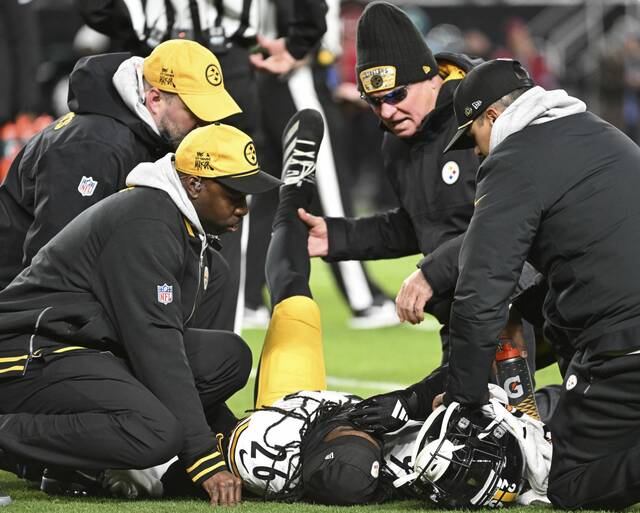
(564, 196)
(72, 164)
(434, 207)
(123, 276)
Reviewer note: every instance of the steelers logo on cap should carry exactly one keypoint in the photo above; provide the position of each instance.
(213, 75)
(376, 81)
(468, 111)
(250, 153)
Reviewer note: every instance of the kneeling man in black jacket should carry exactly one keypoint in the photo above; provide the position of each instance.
(558, 188)
(97, 367)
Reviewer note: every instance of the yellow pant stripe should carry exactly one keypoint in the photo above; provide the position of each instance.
(202, 460)
(213, 467)
(12, 369)
(69, 348)
(14, 358)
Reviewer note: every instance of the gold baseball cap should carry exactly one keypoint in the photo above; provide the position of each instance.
(192, 72)
(226, 154)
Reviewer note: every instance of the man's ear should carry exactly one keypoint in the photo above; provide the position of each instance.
(192, 185)
(153, 101)
(492, 114)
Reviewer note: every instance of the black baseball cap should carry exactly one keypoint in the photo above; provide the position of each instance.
(482, 86)
(342, 471)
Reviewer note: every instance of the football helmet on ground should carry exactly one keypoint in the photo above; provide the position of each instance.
(466, 458)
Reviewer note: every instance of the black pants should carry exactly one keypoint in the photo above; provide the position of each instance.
(288, 267)
(86, 410)
(239, 80)
(596, 435)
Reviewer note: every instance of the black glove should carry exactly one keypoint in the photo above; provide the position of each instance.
(383, 413)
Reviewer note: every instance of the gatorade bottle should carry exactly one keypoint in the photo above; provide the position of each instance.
(514, 377)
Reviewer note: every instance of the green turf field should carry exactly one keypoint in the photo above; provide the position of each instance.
(373, 361)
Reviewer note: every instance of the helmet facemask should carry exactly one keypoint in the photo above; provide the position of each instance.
(465, 458)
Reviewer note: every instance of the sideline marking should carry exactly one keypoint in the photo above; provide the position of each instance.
(336, 381)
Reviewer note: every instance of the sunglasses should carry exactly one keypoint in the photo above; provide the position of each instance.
(392, 98)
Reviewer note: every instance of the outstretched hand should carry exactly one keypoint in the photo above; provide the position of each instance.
(224, 489)
(279, 60)
(318, 243)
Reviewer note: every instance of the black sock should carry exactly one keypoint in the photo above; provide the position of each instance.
(292, 198)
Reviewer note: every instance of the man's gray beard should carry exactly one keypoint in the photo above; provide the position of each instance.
(172, 141)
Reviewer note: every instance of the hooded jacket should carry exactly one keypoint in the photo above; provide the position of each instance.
(559, 189)
(72, 164)
(435, 191)
(124, 276)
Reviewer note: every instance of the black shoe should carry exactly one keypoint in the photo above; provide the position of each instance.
(300, 144)
(72, 483)
(30, 471)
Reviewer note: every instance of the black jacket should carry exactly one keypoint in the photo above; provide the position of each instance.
(562, 194)
(100, 141)
(124, 276)
(432, 211)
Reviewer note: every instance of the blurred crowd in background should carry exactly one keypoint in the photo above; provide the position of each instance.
(590, 48)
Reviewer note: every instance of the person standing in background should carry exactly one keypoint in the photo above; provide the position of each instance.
(281, 95)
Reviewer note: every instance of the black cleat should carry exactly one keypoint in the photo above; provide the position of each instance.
(300, 144)
(72, 483)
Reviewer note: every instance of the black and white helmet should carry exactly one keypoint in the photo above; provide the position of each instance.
(465, 458)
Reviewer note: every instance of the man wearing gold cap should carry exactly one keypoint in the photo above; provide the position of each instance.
(124, 110)
(98, 367)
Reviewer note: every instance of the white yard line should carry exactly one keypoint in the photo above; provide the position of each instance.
(349, 383)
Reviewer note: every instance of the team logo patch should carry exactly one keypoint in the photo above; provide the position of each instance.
(64, 120)
(250, 154)
(202, 162)
(213, 75)
(205, 277)
(450, 172)
(378, 78)
(329, 456)
(468, 111)
(166, 77)
(165, 294)
(426, 69)
(87, 186)
(572, 381)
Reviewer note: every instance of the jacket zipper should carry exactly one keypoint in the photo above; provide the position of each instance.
(195, 300)
(34, 354)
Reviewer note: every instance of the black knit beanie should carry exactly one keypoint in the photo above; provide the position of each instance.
(391, 51)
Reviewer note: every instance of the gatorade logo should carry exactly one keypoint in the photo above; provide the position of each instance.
(513, 387)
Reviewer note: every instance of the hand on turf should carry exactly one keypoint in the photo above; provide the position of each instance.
(413, 295)
(381, 414)
(279, 62)
(318, 243)
(224, 489)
